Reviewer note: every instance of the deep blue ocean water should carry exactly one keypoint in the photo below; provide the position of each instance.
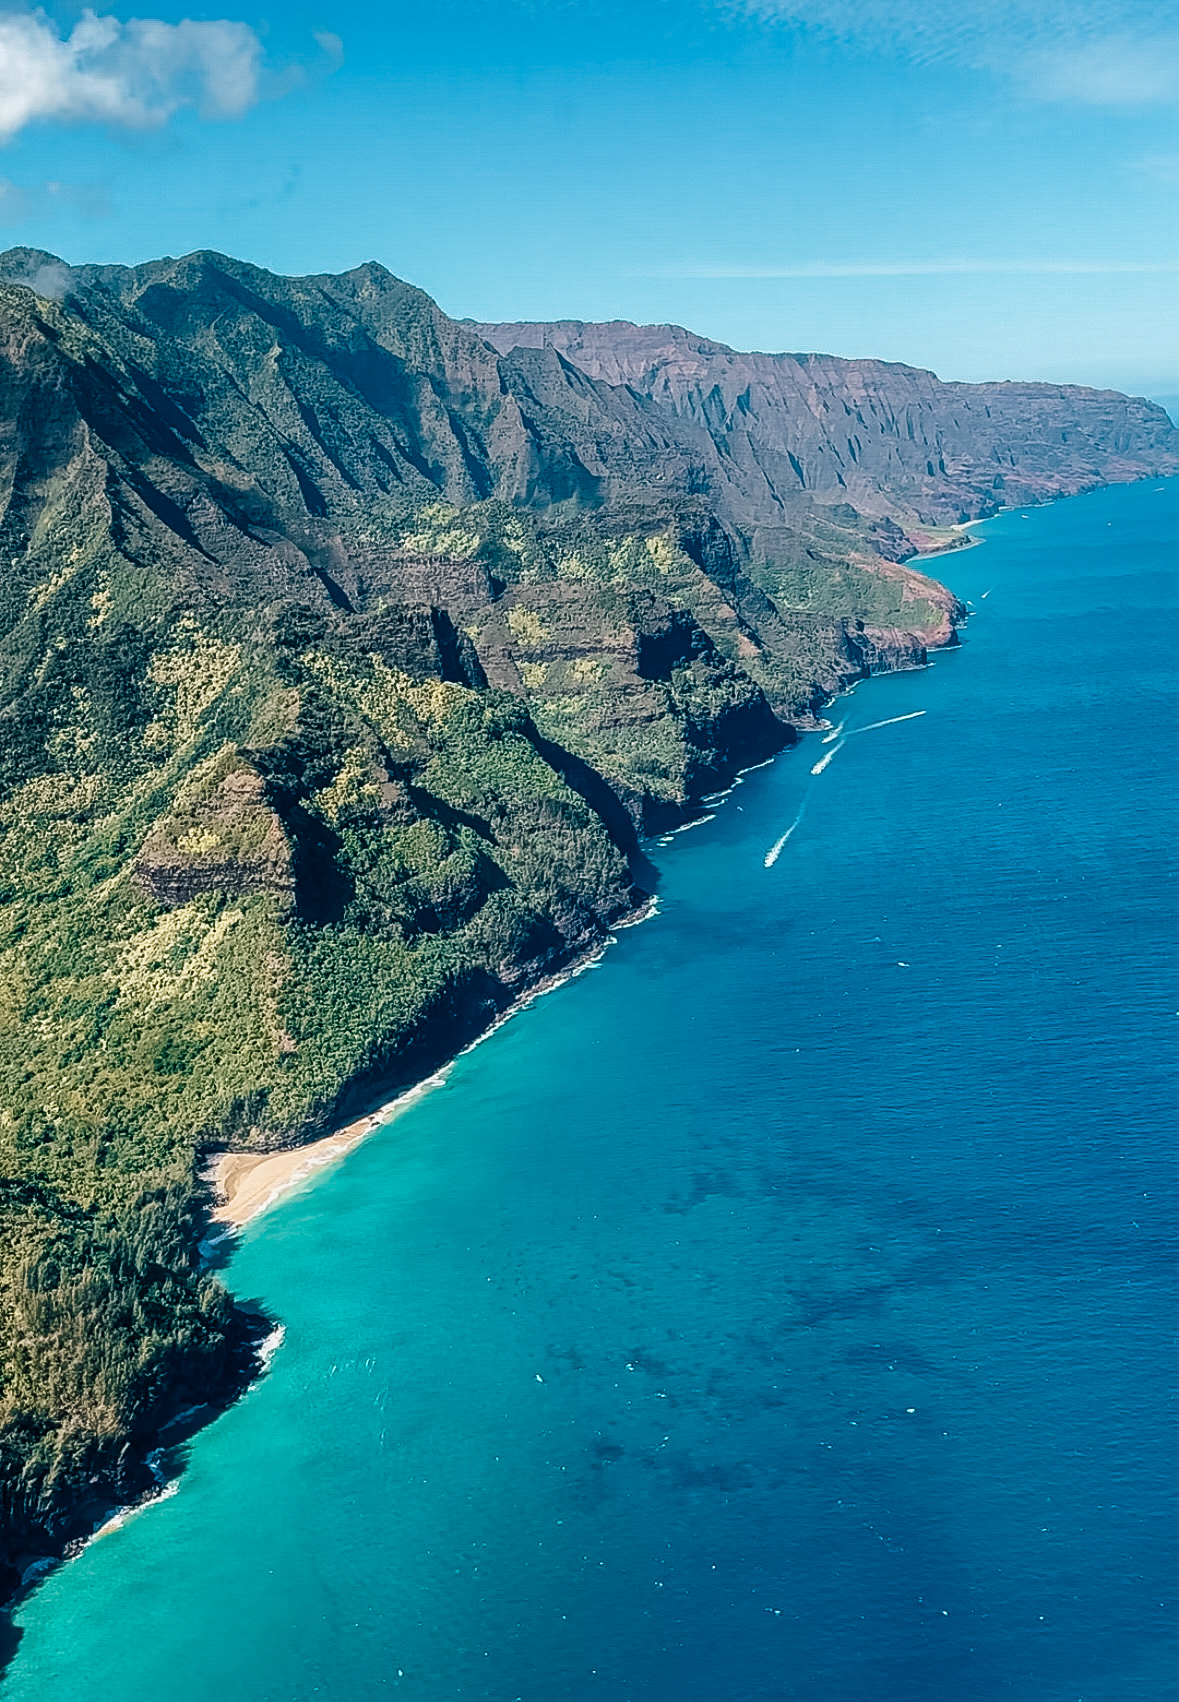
(786, 1308)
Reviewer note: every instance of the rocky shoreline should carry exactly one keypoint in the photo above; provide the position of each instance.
(148, 1465)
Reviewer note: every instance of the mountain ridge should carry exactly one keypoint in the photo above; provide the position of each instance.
(345, 662)
(788, 396)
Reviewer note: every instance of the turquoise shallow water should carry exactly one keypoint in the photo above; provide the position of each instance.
(787, 1307)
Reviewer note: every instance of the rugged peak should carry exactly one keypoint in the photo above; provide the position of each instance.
(221, 836)
(37, 270)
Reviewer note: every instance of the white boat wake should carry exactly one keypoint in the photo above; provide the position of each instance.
(775, 850)
(840, 737)
(891, 722)
(824, 760)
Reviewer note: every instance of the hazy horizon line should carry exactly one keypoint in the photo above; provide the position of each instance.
(917, 269)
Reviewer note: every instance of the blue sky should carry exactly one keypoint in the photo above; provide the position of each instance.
(988, 189)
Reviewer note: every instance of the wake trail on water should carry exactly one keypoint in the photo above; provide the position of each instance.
(824, 760)
(775, 850)
(891, 722)
(841, 738)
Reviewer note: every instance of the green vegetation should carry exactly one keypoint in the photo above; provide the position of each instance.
(849, 592)
(165, 988)
(256, 863)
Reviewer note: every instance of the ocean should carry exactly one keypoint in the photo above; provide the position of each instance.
(784, 1308)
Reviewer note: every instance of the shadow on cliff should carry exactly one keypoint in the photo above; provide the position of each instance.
(619, 823)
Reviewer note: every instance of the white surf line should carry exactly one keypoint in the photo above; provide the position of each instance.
(824, 760)
(775, 850)
(830, 738)
(891, 722)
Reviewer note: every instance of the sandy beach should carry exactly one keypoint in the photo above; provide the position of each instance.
(247, 1183)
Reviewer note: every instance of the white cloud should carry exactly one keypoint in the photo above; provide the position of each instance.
(1099, 52)
(49, 278)
(963, 31)
(331, 47)
(1115, 71)
(135, 74)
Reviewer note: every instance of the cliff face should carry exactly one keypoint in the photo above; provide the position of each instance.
(891, 439)
(343, 661)
(223, 836)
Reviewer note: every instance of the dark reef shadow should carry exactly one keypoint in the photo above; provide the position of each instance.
(10, 1636)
